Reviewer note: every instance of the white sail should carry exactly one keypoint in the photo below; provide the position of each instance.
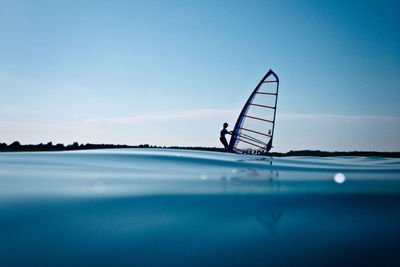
(254, 129)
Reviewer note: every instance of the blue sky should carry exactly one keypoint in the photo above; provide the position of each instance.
(171, 72)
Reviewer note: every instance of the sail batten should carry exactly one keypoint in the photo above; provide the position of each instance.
(261, 105)
(265, 93)
(255, 132)
(256, 118)
(254, 128)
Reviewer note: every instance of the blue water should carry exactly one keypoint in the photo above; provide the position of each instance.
(147, 207)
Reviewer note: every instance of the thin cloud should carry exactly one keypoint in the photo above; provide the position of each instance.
(229, 113)
(176, 115)
(393, 119)
(18, 110)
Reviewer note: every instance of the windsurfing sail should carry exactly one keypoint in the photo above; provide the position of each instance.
(254, 129)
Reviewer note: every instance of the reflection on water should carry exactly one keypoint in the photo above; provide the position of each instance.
(271, 221)
(168, 207)
(267, 177)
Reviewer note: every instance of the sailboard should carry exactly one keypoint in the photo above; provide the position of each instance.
(254, 128)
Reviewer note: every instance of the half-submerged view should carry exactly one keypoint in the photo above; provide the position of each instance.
(109, 146)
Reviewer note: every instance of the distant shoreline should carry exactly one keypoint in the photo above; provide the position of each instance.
(17, 147)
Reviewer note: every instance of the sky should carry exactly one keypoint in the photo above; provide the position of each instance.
(172, 72)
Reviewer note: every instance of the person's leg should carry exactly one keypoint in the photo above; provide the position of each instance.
(225, 143)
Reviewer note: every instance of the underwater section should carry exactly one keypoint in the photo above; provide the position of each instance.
(178, 207)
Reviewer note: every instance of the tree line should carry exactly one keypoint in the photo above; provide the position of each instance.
(18, 147)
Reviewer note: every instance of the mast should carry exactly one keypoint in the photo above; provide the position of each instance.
(276, 102)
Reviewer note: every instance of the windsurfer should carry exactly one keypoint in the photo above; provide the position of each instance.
(222, 138)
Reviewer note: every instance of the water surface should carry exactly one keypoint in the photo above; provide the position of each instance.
(178, 207)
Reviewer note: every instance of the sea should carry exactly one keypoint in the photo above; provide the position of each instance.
(166, 207)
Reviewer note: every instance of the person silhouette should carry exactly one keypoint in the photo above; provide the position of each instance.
(222, 138)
